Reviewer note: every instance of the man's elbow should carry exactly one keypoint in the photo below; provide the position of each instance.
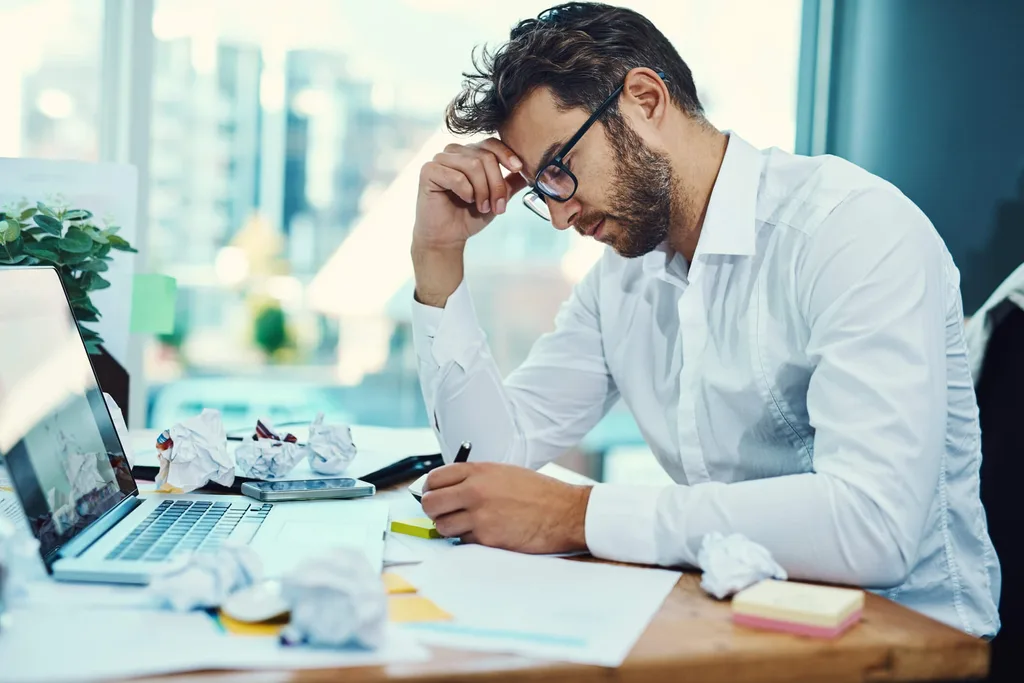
(885, 566)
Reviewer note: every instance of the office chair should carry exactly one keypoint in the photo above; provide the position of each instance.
(1000, 392)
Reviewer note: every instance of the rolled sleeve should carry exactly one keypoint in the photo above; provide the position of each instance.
(449, 334)
(621, 523)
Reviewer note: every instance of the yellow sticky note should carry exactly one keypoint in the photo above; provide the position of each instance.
(243, 628)
(395, 584)
(417, 526)
(153, 302)
(404, 609)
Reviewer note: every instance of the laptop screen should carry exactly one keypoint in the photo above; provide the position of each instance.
(62, 453)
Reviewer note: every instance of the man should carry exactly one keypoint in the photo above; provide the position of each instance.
(786, 331)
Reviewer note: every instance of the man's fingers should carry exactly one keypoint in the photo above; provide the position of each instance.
(505, 155)
(447, 475)
(495, 182)
(442, 501)
(454, 524)
(472, 167)
(448, 179)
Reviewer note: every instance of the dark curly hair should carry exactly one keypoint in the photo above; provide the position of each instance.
(581, 51)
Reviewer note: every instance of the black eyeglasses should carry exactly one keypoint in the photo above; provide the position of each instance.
(555, 180)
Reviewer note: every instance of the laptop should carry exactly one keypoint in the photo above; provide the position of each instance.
(68, 468)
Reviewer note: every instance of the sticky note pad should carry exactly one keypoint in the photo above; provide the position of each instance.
(243, 628)
(800, 608)
(153, 301)
(395, 584)
(406, 609)
(418, 526)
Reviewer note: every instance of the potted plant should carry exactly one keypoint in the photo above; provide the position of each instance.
(72, 240)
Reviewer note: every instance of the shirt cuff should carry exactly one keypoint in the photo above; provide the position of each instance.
(621, 523)
(452, 333)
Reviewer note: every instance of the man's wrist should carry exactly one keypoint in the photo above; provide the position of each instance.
(438, 272)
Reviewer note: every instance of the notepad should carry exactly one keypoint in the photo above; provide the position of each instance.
(417, 526)
(800, 608)
(153, 303)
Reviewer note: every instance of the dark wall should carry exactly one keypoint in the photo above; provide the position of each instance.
(929, 94)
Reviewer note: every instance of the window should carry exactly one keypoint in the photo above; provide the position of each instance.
(50, 78)
(287, 140)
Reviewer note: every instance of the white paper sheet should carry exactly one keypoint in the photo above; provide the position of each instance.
(55, 644)
(537, 606)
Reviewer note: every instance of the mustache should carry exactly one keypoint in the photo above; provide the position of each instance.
(588, 221)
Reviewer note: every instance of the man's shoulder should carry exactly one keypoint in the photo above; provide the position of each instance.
(799, 193)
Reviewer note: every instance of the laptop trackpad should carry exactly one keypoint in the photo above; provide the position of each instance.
(297, 535)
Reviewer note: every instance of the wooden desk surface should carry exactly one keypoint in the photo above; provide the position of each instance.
(692, 638)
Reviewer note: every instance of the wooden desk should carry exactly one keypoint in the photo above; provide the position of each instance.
(692, 639)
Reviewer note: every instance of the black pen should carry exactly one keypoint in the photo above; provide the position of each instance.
(463, 454)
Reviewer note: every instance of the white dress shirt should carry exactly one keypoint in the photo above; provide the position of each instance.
(804, 382)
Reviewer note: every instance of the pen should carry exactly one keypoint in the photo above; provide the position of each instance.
(463, 454)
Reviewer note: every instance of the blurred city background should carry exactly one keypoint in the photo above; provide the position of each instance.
(286, 140)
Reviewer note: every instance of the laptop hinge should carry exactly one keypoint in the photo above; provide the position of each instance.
(80, 543)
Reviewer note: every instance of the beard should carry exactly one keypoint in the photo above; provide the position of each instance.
(646, 194)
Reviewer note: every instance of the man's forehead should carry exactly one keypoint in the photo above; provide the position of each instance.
(536, 124)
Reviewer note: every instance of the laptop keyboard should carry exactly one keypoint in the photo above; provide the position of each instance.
(190, 526)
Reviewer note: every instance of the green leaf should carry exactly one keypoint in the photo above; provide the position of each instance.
(77, 215)
(76, 242)
(42, 250)
(10, 230)
(93, 347)
(14, 260)
(95, 266)
(87, 333)
(76, 260)
(49, 224)
(121, 244)
(103, 251)
(97, 236)
(112, 230)
(97, 282)
(84, 315)
(44, 209)
(28, 213)
(31, 232)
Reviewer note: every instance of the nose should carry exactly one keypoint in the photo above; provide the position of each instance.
(563, 214)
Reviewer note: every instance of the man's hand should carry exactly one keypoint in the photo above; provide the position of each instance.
(505, 506)
(461, 190)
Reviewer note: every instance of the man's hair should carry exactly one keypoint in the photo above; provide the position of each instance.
(581, 51)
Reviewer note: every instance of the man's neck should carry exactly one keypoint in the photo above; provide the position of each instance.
(696, 159)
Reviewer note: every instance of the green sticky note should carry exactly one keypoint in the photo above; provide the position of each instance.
(153, 298)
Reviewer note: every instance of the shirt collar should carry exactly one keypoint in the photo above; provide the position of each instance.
(728, 227)
(729, 222)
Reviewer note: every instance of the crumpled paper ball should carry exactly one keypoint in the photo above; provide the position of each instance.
(205, 580)
(194, 452)
(731, 563)
(337, 600)
(268, 455)
(330, 447)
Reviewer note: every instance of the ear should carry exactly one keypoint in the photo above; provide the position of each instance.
(645, 93)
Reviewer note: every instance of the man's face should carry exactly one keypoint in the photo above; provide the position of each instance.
(627, 191)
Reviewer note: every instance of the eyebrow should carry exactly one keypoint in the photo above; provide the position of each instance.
(548, 155)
